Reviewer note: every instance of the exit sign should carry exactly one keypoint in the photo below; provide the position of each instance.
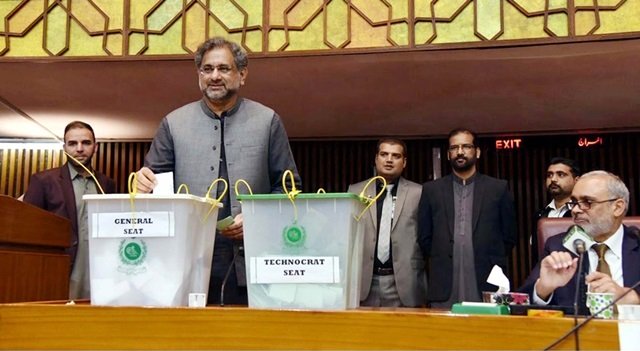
(504, 144)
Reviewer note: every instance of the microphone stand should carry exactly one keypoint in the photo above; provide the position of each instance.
(226, 275)
(576, 297)
(592, 316)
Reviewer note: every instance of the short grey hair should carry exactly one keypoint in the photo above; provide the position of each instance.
(615, 186)
(239, 54)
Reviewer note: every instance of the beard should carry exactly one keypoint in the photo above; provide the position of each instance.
(219, 90)
(554, 189)
(86, 163)
(598, 226)
(462, 166)
(558, 192)
(218, 95)
(74, 159)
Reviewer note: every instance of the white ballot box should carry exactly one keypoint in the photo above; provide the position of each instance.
(152, 250)
(305, 255)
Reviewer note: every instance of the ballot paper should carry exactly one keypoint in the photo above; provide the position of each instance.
(164, 185)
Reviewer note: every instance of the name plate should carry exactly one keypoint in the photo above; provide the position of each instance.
(294, 269)
(129, 225)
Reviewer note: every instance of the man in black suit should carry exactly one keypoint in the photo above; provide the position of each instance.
(466, 225)
(599, 202)
(562, 175)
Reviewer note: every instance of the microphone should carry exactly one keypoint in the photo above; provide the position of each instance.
(592, 316)
(579, 247)
(577, 240)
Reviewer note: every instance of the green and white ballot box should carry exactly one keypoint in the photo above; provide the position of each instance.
(149, 250)
(304, 253)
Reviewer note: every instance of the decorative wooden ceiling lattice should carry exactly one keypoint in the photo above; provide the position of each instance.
(45, 28)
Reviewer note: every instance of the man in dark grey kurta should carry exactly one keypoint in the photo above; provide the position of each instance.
(463, 267)
(466, 225)
(222, 135)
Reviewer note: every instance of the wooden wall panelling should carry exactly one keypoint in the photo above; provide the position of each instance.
(334, 164)
(4, 172)
(118, 159)
(10, 166)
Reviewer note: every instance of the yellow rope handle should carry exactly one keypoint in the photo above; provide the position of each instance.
(239, 181)
(291, 194)
(321, 191)
(132, 185)
(216, 201)
(186, 188)
(88, 171)
(367, 200)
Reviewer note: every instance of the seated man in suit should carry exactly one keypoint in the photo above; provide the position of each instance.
(598, 203)
(59, 190)
(393, 270)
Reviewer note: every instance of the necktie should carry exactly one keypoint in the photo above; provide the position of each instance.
(603, 266)
(384, 234)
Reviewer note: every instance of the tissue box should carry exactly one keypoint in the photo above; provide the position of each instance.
(510, 298)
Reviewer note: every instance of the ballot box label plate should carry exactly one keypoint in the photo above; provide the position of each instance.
(295, 269)
(133, 224)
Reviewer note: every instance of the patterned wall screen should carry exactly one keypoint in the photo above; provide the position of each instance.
(43, 28)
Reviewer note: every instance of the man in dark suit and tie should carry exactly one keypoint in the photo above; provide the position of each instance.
(562, 175)
(466, 225)
(599, 202)
(393, 272)
(59, 190)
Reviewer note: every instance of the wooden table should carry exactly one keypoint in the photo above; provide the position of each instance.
(56, 326)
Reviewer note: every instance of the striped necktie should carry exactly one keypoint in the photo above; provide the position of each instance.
(386, 219)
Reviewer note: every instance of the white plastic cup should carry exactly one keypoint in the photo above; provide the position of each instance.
(197, 300)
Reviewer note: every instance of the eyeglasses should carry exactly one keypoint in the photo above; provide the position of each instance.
(586, 204)
(222, 69)
(464, 147)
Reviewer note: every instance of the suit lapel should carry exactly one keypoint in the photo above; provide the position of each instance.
(373, 214)
(401, 196)
(478, 196)
(69, 197)
(447, 196)
(630, 257)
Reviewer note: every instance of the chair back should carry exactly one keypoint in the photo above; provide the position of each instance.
(548, 227)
